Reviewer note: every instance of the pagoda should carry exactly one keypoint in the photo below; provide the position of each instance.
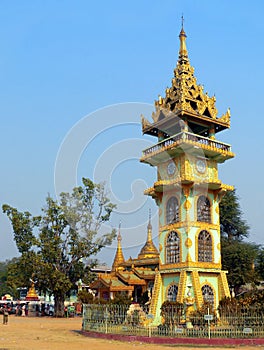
(132, 276)
(187, 191)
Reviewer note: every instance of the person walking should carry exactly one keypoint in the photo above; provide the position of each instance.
(5, 315)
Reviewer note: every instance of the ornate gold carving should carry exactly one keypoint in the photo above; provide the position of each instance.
(198, 224)
(145, 123)
(197, 289)
(190, 264)
(225, 118)
(155, 293)
(217, 209)
(188, 258)
(186, 189)
(218, 246)
(187, 204)
(223, 286)
(182, 286)
(160, 247)
(188, 242)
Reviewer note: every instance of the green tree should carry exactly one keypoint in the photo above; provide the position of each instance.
(6, 288)
(232, 225)
(54, 245)
(259, 265)
(239, 259)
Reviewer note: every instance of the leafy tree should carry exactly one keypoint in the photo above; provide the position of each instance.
(85, 297)
(232, 225)
(53, 246)
(239, 258)
(259, 264)
(5, 288)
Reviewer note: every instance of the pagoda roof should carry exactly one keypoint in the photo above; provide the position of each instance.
(119, 256)
(130, 278)
(110, 281)
(144, 273)
(141, 262)
(185, 101)
(148, 250)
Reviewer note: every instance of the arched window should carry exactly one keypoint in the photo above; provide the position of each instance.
(203, 209)
(208, 294)
(204, 246)
(172, 210)
(172, 292)
(172, 248)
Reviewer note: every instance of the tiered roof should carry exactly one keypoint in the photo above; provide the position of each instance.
(186, 100)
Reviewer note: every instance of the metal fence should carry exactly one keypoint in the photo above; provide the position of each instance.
(127, 320)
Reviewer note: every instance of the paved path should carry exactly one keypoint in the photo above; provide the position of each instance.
(44, 333)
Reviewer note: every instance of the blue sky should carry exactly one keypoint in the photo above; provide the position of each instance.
(62, 63)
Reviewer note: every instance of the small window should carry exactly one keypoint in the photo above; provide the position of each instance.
(208, 294)
(173, 248)
(172, 292)
(203, 209)
(172, 211)
(205, 246)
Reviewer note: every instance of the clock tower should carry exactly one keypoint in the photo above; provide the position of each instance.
(187, 191)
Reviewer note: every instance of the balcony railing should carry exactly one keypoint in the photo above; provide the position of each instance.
(189, 138)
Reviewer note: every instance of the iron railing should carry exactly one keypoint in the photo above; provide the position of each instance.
(187, 137)
(121, 319)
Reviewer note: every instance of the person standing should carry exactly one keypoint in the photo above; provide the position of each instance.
(23, 310)
(5, 314)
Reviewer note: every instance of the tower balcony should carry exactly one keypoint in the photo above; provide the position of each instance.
(186, 142)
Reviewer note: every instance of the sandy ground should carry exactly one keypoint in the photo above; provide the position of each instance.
(49, 333)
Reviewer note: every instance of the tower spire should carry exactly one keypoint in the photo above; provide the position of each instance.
(149, 250)
(183, 49)
(119, 257)
(149, 239)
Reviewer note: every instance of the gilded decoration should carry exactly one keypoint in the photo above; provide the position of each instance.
(217, 209)
(201, 225)
(186, 189)
(197, 289)
(223, 284)
(187, 204)
(186, 95)
(189, 112)
(182, 286)
(188, 242)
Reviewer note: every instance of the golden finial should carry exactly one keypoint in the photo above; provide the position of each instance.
(119, 257)
(149, 249)
(149, 227)
(119, 238)
(183, 36)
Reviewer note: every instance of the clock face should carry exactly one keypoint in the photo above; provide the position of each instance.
(201, 165)
(171, 168)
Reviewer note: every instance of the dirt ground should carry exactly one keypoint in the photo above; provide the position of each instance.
(54, 334)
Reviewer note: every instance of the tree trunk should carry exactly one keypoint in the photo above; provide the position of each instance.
(59, 305)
